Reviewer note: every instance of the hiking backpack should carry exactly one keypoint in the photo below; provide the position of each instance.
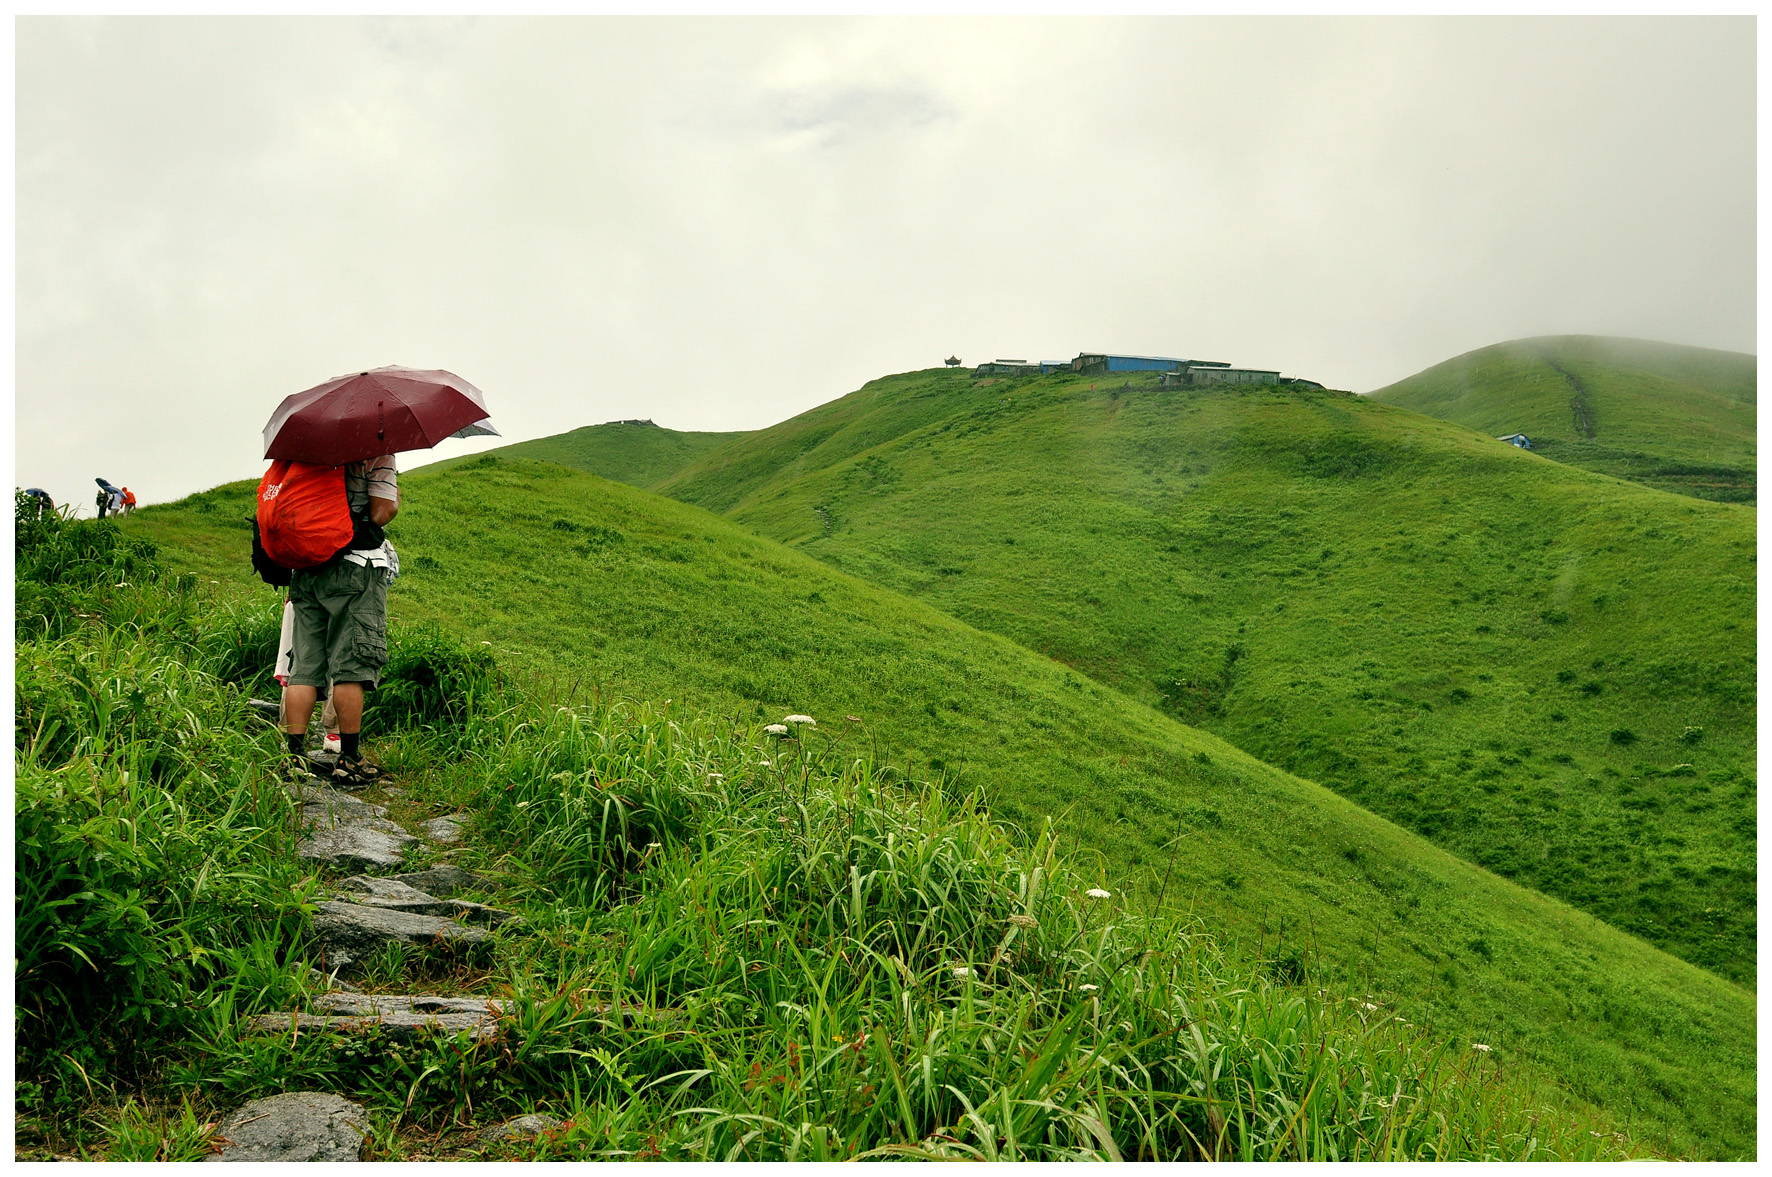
(304, 520)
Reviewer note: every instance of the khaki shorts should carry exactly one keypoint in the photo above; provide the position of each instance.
(341, 625)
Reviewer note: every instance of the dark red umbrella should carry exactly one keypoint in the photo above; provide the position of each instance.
(367, 414)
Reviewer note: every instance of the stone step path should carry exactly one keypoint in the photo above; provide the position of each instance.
(417, 910)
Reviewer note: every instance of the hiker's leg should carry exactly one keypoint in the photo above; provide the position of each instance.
(307, 661)
(298, 707)
(347, 698)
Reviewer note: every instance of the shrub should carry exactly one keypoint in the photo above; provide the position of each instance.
(431, 680)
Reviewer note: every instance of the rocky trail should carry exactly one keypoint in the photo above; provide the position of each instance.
(369, 909)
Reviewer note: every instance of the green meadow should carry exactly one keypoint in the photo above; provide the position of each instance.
(587, 591)
(1545, 671)
(737, 943)
(1676, 418)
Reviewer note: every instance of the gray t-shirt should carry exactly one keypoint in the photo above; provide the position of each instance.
(377, 478)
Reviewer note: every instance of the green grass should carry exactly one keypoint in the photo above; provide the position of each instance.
(601, 591)
(1547, 672)
(1676, 418)
(636, 454)
(739, 946)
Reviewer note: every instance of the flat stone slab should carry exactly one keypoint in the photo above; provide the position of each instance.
(444, 829)
(365, 1004)
(403, 1017)
(318, 802)
(315, 791)
(522, 1128)
(294, 1126)
(442, 881)
(393, 895)
(353, 930)
(322, 818)
(400, 1024)
(355, 848)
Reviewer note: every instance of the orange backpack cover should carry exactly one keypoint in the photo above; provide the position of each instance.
(304, 519)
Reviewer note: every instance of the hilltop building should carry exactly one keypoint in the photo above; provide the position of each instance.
(1007, 368)
(1195, 375)
(1517, 439)
(1089, 363)
(952, 361)
(1175, 371)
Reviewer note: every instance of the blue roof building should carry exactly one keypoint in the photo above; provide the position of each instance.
(1091, 362)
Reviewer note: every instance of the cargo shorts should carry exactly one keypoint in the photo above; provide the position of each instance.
(341, 625)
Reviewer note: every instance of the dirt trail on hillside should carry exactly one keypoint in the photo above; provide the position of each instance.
(1579, 407)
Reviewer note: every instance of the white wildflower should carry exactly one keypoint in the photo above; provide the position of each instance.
(962, 971)
(1098, 893)
(1024, 921)
(655, 845)
(765, 764)
(777, 729)
(1481, 1047)
(715, 776)
(1089, 988)
(1367, 1005)
(801, 719)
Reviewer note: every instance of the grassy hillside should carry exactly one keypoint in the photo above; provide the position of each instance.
(1677, 418)
(637, 453)
(971, 995)
(1549, 673)
(599, 588)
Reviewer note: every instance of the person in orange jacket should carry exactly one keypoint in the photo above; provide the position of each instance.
(128, 501)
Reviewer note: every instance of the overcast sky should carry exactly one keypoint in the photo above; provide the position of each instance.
(719, 223)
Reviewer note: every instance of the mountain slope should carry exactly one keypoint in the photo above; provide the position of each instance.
(1676, 418)
(638, 453)
(601, 587)
(1547, 672)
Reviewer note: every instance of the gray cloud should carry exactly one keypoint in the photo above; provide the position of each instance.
(719, 223)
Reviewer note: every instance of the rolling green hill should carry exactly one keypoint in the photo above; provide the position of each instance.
(1676, 418)
(1546, 672)
(638, 453)
(599, 587)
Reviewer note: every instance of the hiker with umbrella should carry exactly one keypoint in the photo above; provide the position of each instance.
(339, 641)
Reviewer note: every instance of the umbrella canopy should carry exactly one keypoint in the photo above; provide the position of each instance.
(367, 414)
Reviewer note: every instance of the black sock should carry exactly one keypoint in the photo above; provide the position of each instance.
(295, 742)
(347, 744)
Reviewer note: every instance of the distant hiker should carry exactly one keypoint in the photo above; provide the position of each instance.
(116, 501)
(103, 499)
(340, 638)
(44, 503)
(109, 498)
(128, 501)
